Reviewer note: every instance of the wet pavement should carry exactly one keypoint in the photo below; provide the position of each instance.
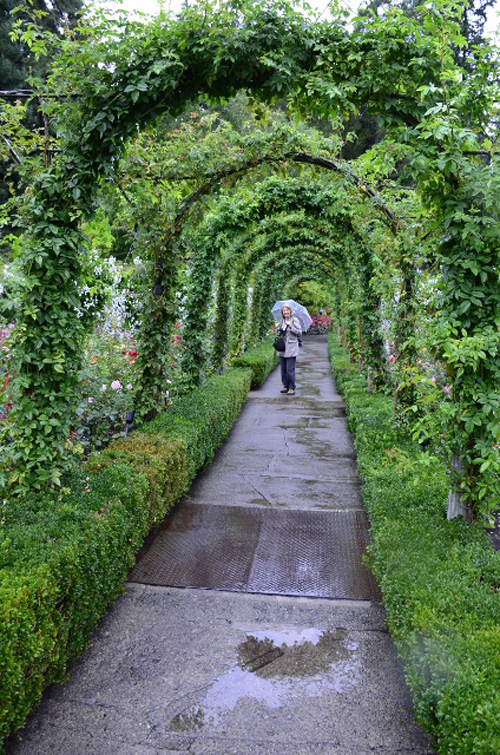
(249, 625)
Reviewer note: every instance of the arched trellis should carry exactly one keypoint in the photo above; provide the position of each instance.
(351, 262)
(269, 260)
(267, 239)
(269, 52)
(157, 328)
(318, 261)
(272, 195)
(238, 266)
(231, 310)
(327, 239)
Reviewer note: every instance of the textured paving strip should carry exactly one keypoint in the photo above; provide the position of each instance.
(253, 549)
(251, 664)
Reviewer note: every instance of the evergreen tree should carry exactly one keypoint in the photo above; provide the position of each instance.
(17, 64)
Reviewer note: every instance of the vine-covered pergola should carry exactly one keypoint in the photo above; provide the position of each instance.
(400, 69)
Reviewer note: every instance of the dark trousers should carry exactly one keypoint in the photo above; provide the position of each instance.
(288, 371)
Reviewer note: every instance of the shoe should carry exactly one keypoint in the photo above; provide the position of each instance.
(291, 392)
(284, 390)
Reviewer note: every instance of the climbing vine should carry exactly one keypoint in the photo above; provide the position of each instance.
(108, 81)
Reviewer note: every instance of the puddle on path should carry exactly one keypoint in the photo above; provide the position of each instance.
(274, 667)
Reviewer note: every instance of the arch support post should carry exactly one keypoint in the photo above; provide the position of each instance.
(458, 504)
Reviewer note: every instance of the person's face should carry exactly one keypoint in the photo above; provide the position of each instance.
(287, 312)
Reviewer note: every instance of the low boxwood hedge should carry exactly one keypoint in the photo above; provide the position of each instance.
(64, 555)
(440, 579)
(261, 360)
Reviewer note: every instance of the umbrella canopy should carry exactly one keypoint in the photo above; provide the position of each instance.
(298, 310)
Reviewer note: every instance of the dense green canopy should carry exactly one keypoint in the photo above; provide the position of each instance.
(109, 83)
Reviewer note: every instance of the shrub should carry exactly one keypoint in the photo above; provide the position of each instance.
(261, 360)
(64, 555)
(202, 418)
(440, 579)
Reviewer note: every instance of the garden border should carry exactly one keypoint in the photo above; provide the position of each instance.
(59, 572)
(440, 579)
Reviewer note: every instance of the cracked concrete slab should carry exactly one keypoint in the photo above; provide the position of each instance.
(170, 670)
(236, 489)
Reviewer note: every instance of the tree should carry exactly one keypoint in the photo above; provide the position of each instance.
(19, 64)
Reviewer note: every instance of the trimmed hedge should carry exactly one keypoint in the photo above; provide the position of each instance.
(203, 418)
(261, 360)
(440, 579)
(64, 556)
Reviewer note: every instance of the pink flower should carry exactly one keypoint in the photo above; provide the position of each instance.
(116, 385)
(392, 358)
(419, 361)
(90, 400)
(433, 379)
(447, 388)
(5, 332)
(8, 356)
(11, 325)
(103, 388)
(129, 387)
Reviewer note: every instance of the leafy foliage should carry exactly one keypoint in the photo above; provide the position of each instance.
(439, 579)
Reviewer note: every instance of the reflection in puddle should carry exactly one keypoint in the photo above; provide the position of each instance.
(274, 667)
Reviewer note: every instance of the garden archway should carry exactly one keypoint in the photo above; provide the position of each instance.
(268, 50)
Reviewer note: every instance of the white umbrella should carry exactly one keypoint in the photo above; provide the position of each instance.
(298, 310)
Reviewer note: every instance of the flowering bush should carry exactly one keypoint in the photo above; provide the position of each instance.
(107, 382)
(320, 324)
(6, 332)
(109, 296)
(109, 376)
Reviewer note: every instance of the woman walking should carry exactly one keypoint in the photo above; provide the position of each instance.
(291, 331)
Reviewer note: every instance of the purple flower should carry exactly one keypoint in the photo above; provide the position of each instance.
(103, 388)
(129, 387)
(392, 358)
(90, 400)
(116, 385)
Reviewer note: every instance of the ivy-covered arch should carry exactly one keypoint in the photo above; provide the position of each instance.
(407, 76)
(314, 258)
(246, 254)
(265, 236)
(234, 217)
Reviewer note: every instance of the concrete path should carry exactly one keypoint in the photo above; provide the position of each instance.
(241, 670)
